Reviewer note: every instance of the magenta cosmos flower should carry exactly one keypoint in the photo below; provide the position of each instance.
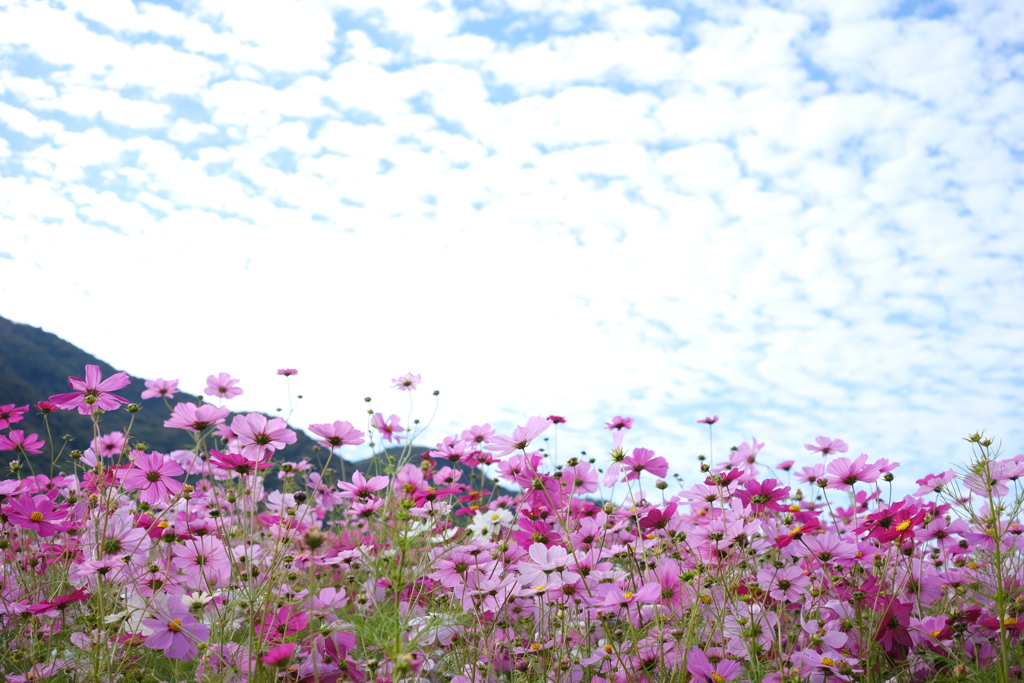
(763, 495)
(175, 631)
(708, 420)
(287, 372)
(37, 513)
(10, 414)
(521, 437)
(827, 446)
(406, 382)
(154, 475)
(222, 385)
(160, 387)
(196, 418)
(233, 462)
(619, 422)
(279, 655)
(338, 434)
(17, 441)
(257, 435)
(93, 392)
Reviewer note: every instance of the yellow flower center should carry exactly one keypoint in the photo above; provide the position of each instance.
(627, 596)
(535, 646)
(162, 524)
(1009, 621)
(794, 508)
(828, 661)
(936, 634)
(607, 649)
(174, 625)
(706, 599)
(702, 511)
(972, 565)
(903, 526)
(796, 530)
(718, 678)
(540, 587)
(36, 517)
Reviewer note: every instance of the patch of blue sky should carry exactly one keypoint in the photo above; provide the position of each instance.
(925, 9)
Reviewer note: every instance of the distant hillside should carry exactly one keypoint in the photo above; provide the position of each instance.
(35, 365)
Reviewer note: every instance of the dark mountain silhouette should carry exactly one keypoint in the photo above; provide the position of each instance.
(35, 365)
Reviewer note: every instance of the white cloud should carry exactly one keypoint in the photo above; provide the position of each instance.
(803, 218)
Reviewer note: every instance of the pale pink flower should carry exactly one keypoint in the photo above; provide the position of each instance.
(477, 434)
(203, 560)
(360, 487)
(389, 428)
(196, 418)
(94, 392)
(406, 382)
(521, 437)
(222, 385)
(827, 446)
(287, 372)
(160, 387)
(339, 434)
(257, 434)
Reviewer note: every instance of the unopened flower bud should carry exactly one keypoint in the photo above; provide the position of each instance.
(888, 476)
(133, 407)
(661, 484)
(301, 497)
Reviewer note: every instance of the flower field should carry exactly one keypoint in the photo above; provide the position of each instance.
(134, 565)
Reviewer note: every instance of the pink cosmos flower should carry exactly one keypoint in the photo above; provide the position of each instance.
(17, 441)
(521, 437)
(708, 420)
(94, 392)
(784, 584)
(195, 418)
(257, 435)
(222, 385)
(786, 465)
(288, 372)
(109, 445)
(557, 419)
(203, 560)
(643, 460)
(9, 414)
(338, 434)
(406, 382)
(478, 434)
(175, 631)
(827, 446)
(698, 664)
(46, 407)
(37, 513)
(233, 462)
(849, 473)
(619, 422)
(388, 429)
(282, 623)
(360, 487)
(279, 655)
(763, 495)
(826, 547)
(154, 474)
(934, 483)
(160, 387)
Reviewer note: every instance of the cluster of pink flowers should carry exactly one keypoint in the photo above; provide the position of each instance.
(414, 570)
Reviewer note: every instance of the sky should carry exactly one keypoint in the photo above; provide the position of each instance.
(802, 216)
